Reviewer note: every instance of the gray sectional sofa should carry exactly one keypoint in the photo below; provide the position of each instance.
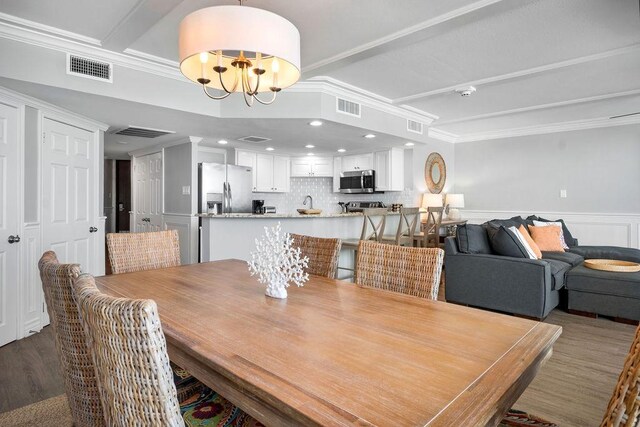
(475, 275)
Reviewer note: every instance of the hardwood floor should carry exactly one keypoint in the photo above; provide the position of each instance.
(572, 388)
(29, 371)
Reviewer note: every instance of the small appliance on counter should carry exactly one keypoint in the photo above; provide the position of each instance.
(359, 206)
(356, 182)
(269, 209)
(257, 206)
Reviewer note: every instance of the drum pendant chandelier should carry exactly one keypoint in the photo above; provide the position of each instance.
(239, 49)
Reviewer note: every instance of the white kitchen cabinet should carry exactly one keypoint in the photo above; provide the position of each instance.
(389, 167)
(248, 158)
(337, 169)
(270, 173)
(357, 162)
(310, 166)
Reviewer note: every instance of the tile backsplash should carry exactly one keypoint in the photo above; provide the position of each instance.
(321, 189)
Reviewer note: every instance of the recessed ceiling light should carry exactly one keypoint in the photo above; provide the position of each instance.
(409, 144)
(369, 136)
(341, 150)
(309, 146)
(315, 123)
(223, 141)
(309, 154)
(269, 148)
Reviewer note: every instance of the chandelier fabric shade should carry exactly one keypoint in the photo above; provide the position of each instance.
(239, 49)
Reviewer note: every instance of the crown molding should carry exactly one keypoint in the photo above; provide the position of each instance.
(47, 108)
(152, 58)
(522, 73)
(542, 106)
(330, 86)
(601, 122)
(36, 26)
(442, 135)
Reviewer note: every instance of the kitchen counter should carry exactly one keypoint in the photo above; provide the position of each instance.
(233, 235)
(293, 215)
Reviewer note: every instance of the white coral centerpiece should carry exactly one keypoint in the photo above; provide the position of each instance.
(277, 263)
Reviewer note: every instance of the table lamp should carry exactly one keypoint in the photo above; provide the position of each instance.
(430, 200)
(452, 203)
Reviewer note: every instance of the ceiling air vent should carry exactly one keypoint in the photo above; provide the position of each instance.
(347, 107)
(254, 139)
(143, 132)
(413, 126)
(89, 68)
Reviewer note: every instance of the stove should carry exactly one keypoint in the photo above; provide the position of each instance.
(359, 206)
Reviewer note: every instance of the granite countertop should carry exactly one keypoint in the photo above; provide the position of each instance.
(292, 215)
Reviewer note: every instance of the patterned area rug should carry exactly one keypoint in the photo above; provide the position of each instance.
(515, 418)
(52, 412)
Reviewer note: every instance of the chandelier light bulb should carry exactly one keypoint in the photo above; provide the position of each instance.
(258, 60)
(204, 57)
(275, 65)
(219, 58)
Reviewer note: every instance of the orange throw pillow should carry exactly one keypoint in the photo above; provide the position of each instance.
(530, 241)
(547, 238)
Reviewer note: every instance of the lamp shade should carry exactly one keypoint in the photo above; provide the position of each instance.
(430, 200)
(215, 36)
(455, 200)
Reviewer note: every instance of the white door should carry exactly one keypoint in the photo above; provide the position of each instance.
(264, 173)
(8, 224)
(68, 194)
(280, 174)
(148, 190)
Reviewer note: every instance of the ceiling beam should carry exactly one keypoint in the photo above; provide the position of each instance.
(422, 31)
(522, 73)
(144, 15)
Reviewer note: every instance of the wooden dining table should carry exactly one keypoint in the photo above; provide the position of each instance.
(333, 353)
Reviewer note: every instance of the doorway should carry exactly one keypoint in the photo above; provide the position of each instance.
(123, 195)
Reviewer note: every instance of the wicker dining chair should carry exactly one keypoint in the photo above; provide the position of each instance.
(323, 254)
(74, 355)
(129, 252)
(129, 352)
(409, 219)
(412, 271)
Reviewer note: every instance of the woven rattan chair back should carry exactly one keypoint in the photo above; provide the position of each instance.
(373, 223)
(129, 252)
(323, 254)
(624, 406)
(407, 226)
(431, 237)
(412, 271)
(130, 356)
(76, 364)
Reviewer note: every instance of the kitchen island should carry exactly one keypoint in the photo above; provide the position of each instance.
(233, 235)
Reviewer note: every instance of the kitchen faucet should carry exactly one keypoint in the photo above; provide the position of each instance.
(310, 199)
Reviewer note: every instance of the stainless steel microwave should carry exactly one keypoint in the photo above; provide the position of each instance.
(354, 182)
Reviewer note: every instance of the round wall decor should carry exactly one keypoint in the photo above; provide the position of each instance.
(435, 173)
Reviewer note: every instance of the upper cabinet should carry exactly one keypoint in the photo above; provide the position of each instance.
(270, 172)
(357, 162)
(389, 167)
(311, 166)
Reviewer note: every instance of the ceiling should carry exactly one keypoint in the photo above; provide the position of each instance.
(536, 64)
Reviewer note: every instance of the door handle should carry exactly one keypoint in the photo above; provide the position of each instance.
(14, 239)
(93, 229)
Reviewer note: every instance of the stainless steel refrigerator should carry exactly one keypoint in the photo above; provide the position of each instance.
(224, 188)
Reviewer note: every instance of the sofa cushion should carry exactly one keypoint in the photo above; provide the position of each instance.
(585, 279)
(515, 221)
(504, 242)
(558, 272)
(607, 252)
(568, 257)
(568, 238)
(473, 239)
(547, 238)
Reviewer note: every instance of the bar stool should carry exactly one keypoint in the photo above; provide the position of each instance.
(430, 237)
(373, 223)
(406, 228)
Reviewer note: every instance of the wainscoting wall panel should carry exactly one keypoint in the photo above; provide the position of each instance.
(589, 228)
(187, 226)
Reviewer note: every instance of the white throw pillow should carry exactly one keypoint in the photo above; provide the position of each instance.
(532, 255)
(554, 224)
